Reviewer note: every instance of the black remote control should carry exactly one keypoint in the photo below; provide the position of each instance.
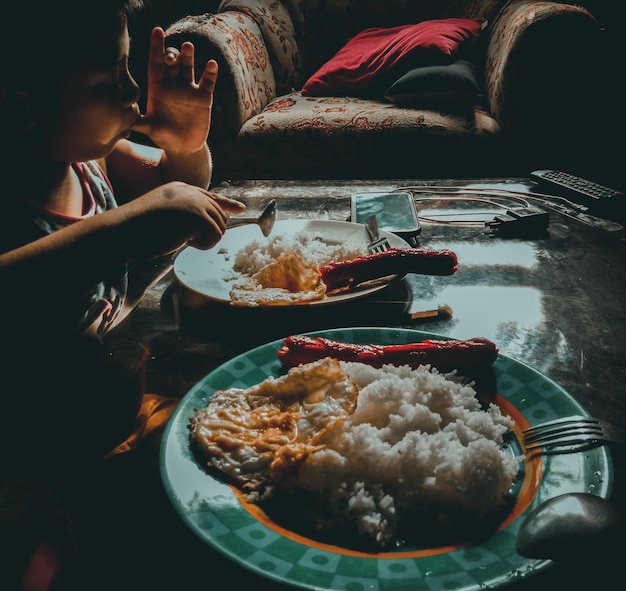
(597, 198)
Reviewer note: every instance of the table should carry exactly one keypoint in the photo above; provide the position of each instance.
(552, 299)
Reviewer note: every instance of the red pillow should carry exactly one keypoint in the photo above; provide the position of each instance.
(373, 52)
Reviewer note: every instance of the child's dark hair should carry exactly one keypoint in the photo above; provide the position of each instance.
(43, 36)
(45, 40)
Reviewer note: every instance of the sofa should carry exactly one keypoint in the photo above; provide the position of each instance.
(529, 103)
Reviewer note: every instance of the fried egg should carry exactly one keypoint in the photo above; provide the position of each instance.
(261, 435)
(286, 280)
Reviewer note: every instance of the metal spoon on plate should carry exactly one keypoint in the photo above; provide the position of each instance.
(265, 221)
(569, 526)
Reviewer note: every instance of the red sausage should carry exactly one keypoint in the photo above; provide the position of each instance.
(395, 261)
(445, 355)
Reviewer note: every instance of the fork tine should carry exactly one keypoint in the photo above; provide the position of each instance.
(377, 242)
(551, 437)
(560, 422)
(381, 245)
(550, 430)
(567, 443)
(579, 431)
(567, 431)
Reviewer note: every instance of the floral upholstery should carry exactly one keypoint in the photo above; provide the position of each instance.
(279, 36)
(337, 136)
(264, 128)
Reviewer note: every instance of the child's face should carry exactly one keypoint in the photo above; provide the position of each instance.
(97, 106)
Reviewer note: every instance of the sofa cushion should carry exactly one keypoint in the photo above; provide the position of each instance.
(372, 54)
(453, 84)
(353, 137)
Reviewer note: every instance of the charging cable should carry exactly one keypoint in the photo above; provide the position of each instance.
(518, 214)
(520, 220)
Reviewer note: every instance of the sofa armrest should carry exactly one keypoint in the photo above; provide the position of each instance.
(540, 63)
(245, 81)
(277, 27)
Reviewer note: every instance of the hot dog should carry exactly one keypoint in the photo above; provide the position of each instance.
(395, 261)
(445, 355)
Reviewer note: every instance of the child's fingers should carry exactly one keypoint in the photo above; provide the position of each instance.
(229, 205)
(209, 77)
(186, 62)
(156, 65)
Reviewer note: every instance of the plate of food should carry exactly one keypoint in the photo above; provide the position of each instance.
(287, 460)
(302, 262)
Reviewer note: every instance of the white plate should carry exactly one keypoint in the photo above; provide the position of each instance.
(206, 272)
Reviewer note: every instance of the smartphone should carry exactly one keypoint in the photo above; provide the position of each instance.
(395, 211)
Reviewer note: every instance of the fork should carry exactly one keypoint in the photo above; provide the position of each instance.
(377, 243)
(575, 430)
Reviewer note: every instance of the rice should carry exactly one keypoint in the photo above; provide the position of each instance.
(311, 246)
(364, 457)
(417, 458)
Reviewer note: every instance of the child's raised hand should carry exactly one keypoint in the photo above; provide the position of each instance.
(178, 109)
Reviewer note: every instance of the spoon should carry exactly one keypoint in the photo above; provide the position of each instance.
(569, 526)
(265, 221)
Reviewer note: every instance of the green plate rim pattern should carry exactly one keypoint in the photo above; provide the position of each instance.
(211, 510)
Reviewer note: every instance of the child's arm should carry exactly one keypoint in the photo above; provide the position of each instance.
(79, 256)
(177, 121)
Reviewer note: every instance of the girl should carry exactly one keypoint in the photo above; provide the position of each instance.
(82, 207)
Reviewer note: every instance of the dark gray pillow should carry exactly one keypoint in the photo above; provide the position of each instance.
(454, 83)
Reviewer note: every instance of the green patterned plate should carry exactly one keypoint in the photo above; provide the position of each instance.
(218, 516)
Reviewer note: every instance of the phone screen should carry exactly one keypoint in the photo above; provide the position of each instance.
(394, 211)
